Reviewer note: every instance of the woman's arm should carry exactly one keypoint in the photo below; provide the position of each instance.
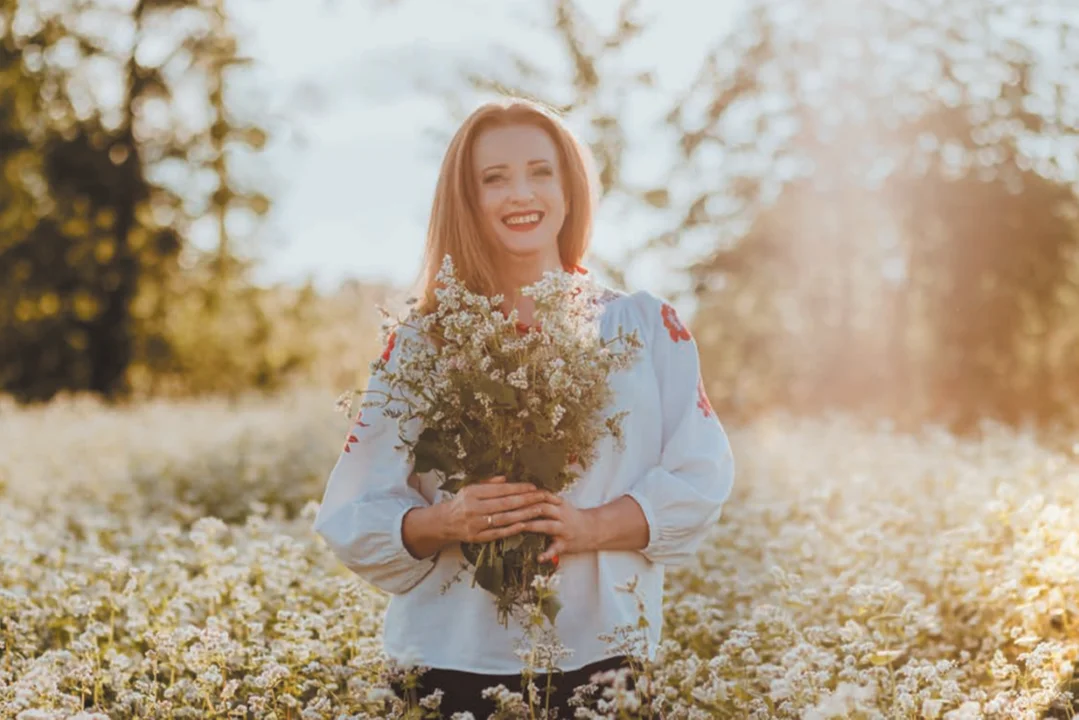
(683, 494)
(424, 532)
(667, 511)
(618, 525)
(361, 518)
(369, 492)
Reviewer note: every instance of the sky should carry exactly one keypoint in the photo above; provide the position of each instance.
(353, 164)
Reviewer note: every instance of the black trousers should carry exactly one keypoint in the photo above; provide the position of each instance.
(462, 691)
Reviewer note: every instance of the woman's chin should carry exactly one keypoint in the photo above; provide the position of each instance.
(527, 244)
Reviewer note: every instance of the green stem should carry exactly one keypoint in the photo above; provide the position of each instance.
(547, 699)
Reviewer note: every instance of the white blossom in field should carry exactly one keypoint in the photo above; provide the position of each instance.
(857, 573)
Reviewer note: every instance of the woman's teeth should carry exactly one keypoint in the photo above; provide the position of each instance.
(522, 220)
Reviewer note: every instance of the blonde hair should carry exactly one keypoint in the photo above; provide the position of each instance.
(456, 226)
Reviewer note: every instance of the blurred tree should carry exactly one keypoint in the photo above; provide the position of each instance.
(897, 243)
(72, 249)
(884, 192)
(102, 182)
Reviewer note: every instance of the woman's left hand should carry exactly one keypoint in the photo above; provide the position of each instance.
(569, 526)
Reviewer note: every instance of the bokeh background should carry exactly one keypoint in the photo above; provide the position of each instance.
(862, 207)
(865, 210)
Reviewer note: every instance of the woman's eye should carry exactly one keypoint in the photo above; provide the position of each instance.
(490, 179)
(544, 172)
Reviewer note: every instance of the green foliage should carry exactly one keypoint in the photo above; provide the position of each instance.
(96, 268)
(222, 336)
(502, 395)
(549, 606)
(433, 452)
(543, 462)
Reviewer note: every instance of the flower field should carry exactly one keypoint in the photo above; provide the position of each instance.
(158, 562)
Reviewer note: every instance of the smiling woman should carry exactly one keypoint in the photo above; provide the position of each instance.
(512, 208)
(520, 186)
(514, 199)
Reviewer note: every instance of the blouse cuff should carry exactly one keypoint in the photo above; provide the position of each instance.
(650, 518)
(397, 530)
(376, 554)
(680, 511)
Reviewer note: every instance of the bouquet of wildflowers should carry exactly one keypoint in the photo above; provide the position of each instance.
(495, 397)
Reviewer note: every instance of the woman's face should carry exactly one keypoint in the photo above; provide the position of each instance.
(520, 188)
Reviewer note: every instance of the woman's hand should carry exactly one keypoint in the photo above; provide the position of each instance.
(493, 509)
(572, 529)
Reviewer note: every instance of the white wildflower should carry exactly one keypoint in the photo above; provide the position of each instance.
(518, 378)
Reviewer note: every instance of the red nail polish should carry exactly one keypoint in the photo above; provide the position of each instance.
(554, 559)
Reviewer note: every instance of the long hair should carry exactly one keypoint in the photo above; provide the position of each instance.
(456, 226)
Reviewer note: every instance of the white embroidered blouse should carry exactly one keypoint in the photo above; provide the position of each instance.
(677, 465)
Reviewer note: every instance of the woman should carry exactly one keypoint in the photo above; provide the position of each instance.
(514, 199)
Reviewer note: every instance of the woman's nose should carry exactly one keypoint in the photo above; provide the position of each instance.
(522, 189)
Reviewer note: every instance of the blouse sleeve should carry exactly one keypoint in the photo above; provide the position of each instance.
(683, 495)
(368, 493)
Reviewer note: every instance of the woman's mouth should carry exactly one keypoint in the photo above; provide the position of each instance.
(522, 222)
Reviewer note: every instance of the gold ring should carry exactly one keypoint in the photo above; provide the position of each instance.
(490, 521)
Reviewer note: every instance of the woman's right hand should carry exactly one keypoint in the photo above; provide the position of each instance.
(494, 509)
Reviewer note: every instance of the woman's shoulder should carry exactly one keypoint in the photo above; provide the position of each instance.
(644, 307)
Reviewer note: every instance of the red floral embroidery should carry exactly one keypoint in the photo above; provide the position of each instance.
(576, 270)
(390, 344)
(674, 325)
(702, 399)
(351, 436)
